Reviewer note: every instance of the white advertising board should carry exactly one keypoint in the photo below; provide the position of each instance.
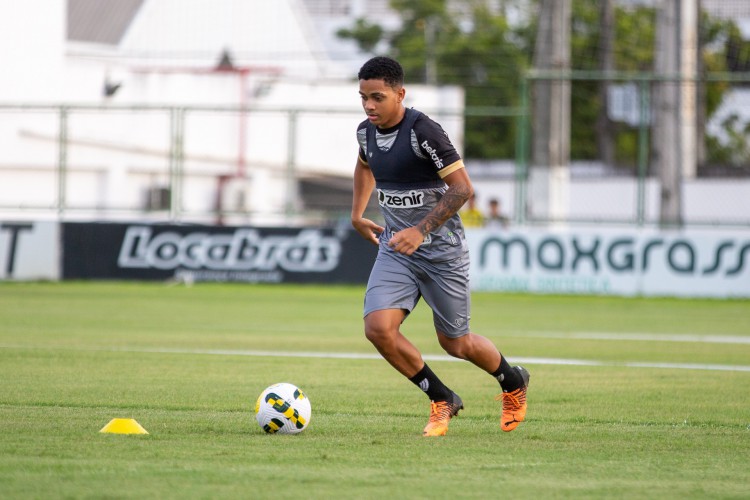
(29, 250)
(683, 263)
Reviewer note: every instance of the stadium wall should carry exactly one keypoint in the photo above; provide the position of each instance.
(600, 261)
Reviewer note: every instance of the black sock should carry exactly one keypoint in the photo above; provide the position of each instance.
(431, 385)
(509, 378)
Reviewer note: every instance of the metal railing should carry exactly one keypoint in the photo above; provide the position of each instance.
(56, 160)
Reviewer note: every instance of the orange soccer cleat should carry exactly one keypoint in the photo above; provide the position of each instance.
(514, 403)
(441, 413)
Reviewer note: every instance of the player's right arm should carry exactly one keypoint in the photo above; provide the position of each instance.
(364, 183)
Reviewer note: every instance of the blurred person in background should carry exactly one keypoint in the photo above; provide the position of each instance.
(495, 217)
(470, 214)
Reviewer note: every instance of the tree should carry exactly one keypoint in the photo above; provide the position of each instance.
(469, 44)
(476, 49)
(634, 39)
(365, 34)
(488, 60)
(631, 33)
(732, 148)
(605, 141)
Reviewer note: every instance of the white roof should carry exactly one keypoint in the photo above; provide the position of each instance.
(194, 33)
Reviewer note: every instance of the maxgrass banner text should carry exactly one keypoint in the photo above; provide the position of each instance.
(690, 263)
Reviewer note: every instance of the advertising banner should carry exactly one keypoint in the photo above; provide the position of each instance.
(212, 253)
(648, 262)
(689, 263)
(29, 250)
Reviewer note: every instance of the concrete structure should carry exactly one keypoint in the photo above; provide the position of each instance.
(152, 89)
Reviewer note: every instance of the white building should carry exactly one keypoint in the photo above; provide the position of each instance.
(151, 89)
(148, 109)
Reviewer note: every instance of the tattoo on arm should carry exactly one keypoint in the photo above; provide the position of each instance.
(451, 202)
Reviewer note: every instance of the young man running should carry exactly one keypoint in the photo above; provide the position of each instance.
(421, 184)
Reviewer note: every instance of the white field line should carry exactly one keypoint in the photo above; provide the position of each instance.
(427, 357)
(445, 357)
(639, 337)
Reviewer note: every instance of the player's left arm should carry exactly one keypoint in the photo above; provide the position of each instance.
(408, 240)
(458, 192)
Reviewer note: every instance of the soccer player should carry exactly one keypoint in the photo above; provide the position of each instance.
(421, 184)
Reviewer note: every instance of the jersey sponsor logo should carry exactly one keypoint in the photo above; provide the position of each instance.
(392, 199)
(433, 154)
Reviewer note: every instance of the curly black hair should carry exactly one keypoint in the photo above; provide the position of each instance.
(382, 68)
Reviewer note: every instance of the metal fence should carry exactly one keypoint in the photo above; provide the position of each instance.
(160, 162)
(273, 166)
(627, 185)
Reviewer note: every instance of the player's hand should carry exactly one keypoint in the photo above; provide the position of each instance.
(368, 229)
(406, 241)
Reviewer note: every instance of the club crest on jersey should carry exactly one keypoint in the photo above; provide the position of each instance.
(399, 199)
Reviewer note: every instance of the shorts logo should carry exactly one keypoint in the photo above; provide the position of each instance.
(392, 199)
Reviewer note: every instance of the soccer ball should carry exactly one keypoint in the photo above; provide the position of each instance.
(283, 409)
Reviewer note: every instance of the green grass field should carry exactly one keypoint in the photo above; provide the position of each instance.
(654, 401)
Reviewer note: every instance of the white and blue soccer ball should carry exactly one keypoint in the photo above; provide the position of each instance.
(283, 409)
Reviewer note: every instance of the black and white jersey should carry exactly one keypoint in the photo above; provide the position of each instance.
(409, 162)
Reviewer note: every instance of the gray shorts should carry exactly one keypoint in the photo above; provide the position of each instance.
(397, 282)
